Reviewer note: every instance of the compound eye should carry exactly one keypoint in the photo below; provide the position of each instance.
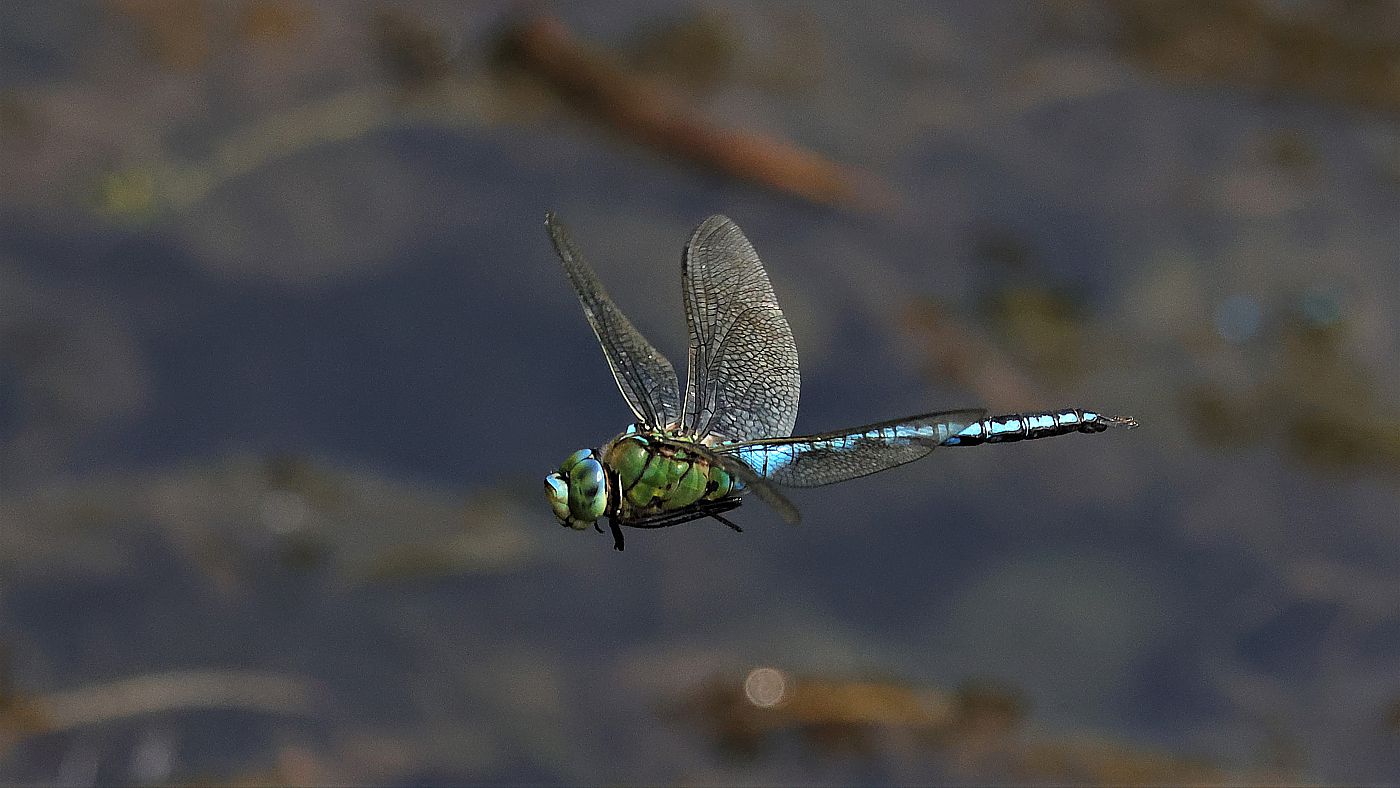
(588, 494)
(557, 490)
(574, 459)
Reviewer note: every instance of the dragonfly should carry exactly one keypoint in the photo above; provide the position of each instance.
(694, 458)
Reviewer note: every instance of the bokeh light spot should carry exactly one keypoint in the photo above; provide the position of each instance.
(765, 687)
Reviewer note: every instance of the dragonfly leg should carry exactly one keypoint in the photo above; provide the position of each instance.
(616, 532)
(668, 519)
(697, 512)
(727, 522)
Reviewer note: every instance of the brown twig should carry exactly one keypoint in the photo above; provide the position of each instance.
(646, 113)
(160, 692)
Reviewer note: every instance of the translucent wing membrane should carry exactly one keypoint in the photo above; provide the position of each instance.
(646, 378)
(760, 486)
(815, 460)
(741, 471)
(743, 381)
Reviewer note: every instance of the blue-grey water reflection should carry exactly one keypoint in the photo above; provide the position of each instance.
(284, 352)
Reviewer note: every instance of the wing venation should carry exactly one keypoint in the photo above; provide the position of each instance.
(742, 382)
(816, 460)
(647, 380)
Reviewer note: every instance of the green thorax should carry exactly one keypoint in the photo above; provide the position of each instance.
(657, 473)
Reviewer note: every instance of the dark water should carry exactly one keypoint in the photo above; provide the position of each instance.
(284, 352)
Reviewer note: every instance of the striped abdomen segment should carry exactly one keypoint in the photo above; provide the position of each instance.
(814, 460)
(1029, 426)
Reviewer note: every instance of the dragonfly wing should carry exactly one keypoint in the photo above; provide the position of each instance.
(746, 474)
(743, 381)
(646, 378)
(815, 460)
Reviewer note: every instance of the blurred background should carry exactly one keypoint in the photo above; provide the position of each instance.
(285, 352)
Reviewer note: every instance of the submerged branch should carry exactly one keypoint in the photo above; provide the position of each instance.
(161, 692)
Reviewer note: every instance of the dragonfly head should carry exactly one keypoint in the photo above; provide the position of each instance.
(578, 491)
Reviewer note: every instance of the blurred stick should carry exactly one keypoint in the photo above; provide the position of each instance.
(645, 113)
(159, 692)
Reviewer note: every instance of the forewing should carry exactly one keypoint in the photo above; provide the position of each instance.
(815, 460)
(646, 378)
(743, 381)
